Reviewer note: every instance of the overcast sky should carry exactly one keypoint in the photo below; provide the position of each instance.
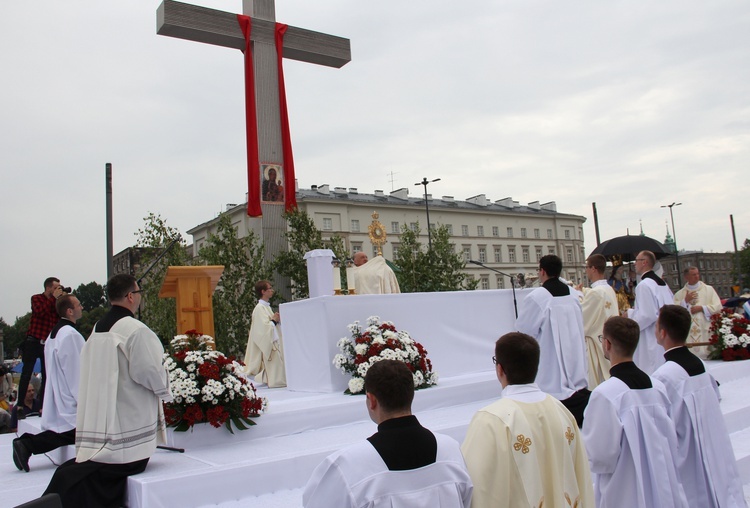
(629, 104)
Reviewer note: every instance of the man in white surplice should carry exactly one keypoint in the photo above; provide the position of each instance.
(525, 449)
(264, 356)
(552, 315)
(703, 302)
(599, 304)
(650, 295)
(705, 455)
(402, 465)
(62, 351)
(629, 436)
(373, 277)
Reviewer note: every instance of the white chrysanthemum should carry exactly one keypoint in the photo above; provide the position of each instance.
(356, 384)
(339, 361)
(378, 340)
(362, 368)
(418, 379)
(341, 344)
(373, 321)
(361, 349)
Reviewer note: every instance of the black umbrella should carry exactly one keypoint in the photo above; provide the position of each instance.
(629, 246)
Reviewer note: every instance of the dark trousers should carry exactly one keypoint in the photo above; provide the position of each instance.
(48, 440)
(577, 403)
(32, 349)
(93, 484)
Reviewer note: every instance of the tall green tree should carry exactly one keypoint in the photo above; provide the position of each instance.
(424, 270)
(234, 299)
(742, 266)
(91, 295)
(159, 313)
(13, 336)
(303, 236)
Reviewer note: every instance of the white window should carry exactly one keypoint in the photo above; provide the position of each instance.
(485, 282)
(498, 255)
(500, 281)
(449, 228)
(549, 234)
(355, 226)
(510, 232)
(464, 230)
(395, 229)
(525, 253)
(523, 232)
(480, 230)
(482, 254)
(551, 250)
(511, 254)
(570, 255)
(495, 231)
(413, 226)
(538, 253)
(327, 224)
(356, 247)
(567, 234)
(536, 232)
(467, 252)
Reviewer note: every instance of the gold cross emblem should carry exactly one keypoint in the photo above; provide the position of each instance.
(569, 435)
(522, 444)
(607, 305)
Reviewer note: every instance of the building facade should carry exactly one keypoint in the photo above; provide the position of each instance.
(503, 234)
(716, 270)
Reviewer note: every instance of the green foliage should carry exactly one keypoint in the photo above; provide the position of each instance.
(159, 314)
(91, 295)
(742, 271)
(14, 335)
(303, 237)
(234, 299)
(440, 269)
(89, 318)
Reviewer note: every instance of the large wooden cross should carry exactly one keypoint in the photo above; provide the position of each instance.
(201, 24)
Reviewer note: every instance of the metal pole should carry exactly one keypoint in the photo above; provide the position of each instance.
(676, 250)
(596, 223)
(736, 257)
(427, 210)
(110, 236)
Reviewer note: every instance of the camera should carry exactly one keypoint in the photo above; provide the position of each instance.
(66, 290)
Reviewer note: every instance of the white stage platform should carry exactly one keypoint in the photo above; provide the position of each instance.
(278, 454)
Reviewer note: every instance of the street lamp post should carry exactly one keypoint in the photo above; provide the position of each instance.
(674, 237)
(424, 182)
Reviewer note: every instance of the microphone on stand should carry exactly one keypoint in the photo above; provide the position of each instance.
(512, 281)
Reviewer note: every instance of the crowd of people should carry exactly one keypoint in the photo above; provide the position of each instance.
(599, 407)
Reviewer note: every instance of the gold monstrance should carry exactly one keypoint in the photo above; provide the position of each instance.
(377, 233)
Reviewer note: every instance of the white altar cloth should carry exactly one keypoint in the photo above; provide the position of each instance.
(458, 329)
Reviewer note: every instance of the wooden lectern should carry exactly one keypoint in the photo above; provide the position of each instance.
(193, 287)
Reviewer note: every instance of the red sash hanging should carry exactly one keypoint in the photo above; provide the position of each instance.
(251, 127)
(290, 193)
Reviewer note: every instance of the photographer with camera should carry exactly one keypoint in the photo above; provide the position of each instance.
(43, 319)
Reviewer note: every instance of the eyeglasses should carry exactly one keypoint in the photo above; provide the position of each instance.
(602, 338)
(494, 360)
(137, 291)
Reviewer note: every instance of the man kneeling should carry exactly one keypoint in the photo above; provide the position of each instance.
(403, 464)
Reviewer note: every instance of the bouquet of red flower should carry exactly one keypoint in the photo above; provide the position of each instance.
(381, 341)
(208, 386)
(729, 336)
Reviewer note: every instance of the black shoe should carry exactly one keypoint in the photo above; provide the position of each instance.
(21, 454)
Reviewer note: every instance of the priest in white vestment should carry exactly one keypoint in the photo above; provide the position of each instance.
(264, 356)
(120, 416)
(703, 302)
(525, 449)
(705, 456)
(62, 352)
(650, 295)
(373, 277)
(552, 315)
(630, 439)
(599, 304)
(403, 465)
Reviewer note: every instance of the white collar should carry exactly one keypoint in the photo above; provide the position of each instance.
(528, 393)
(263, 302)
(600, 282)
(693, 287)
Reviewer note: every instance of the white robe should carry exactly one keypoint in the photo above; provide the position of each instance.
(264, 356)
(711, 303)
(375, 278)
(649, 298)
(632, 447)
(557, 324)
(62, 358)
(599, 304)
(705, 456)
(357, 477)
(526, 450)
(122, 386)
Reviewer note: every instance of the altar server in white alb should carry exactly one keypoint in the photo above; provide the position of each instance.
(629, 436)
(120, 418)
(703, 302)
(552, 315)
(525, 449)
(402, 465)
(599, 304)
(264, 356)
(62, 352)
(705, 456)
(651, 294)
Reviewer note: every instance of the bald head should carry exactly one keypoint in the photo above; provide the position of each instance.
(359, 258)
(644, 262)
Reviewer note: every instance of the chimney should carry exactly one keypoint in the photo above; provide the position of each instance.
(402, 193)
(480, 200)
(550, 207)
